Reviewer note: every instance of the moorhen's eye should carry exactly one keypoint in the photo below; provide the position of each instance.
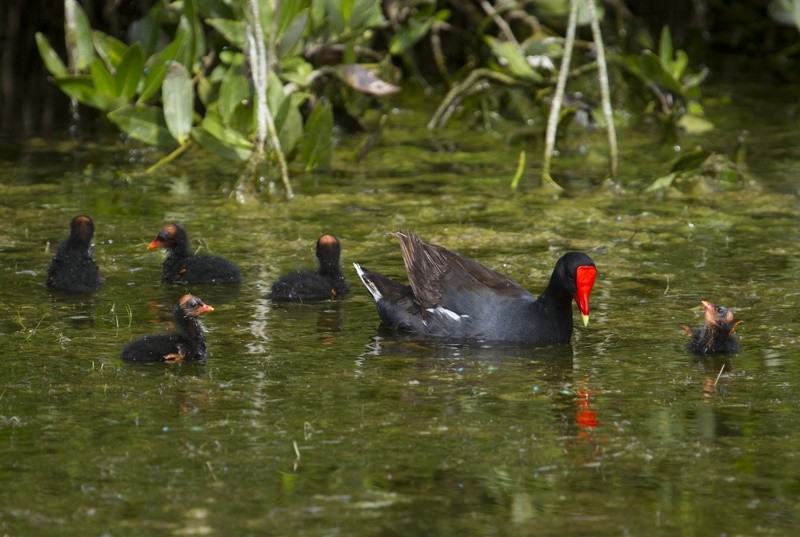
(720, 310)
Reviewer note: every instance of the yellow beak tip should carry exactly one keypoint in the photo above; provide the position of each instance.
(585, 319)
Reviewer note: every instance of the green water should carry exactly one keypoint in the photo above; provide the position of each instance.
(306, 421)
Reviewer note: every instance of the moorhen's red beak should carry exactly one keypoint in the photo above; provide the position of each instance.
(205, 308)
(154, 244)
(584, 279)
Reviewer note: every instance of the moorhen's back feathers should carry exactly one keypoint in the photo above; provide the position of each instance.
(454, 297)
(182, 266)
(429, 265)
(716, 335)
(73, 268)
(188, 343)
(328, 282)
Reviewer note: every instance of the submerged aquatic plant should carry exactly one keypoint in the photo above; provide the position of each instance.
(704, 171)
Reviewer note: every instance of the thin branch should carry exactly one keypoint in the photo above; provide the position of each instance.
(452, 96)
(170, 157)
(558, 98)
(500, 22)
(605, 94)
(260, 70)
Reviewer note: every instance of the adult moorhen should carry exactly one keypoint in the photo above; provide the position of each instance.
(73, 268)
(454, 297)
(182, 266)
(189, 343)
(716, 335)
(328, 282)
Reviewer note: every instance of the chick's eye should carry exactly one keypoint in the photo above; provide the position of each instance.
(720, 309)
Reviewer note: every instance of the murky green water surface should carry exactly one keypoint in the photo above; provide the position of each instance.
(306, 421)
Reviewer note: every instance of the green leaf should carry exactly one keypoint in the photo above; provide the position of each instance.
(81, 88)
(665, 46)
(520, 171)
(229, 137)
(234, 32)
(365, 14)
(678, 66)
(662, 183)
(293, 35)
(151, 82)
(331, 13)
(408, 35)
(243, 119)
(346, 9)
(275, 94)
(233, 90)
(289, 123)
(513, 58)
(109, 48)
(157, 66)
(655, 72)
(78, 35)
(197, 39)
(178, 98)
(297, 70)
(288, 14)
(315, 147)
(232, 57)
(102, 80)
(130, 71)
(143, 123)
(691, 160)
(219, 147)
(693, 124)
(206, 91)
(695, 80)
(49, 56)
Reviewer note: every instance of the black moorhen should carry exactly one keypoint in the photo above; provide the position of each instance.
(454, 297)
(189, 343)
(182, 266)
(716, 336)
(72, 267)
(328, 282)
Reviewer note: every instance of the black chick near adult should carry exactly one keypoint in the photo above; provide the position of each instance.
(184, 267)
(304, 286)
(716, 336)
(453, 297)
(73, 268)
(188, 343)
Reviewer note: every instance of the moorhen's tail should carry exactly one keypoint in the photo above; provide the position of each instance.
(396, 303)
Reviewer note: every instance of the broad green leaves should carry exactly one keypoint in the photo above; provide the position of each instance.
(198, 88)
(143, 123)
(665, 74)
(51, 59)
(178, 99)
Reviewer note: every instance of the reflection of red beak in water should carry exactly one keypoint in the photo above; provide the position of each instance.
(586, 417)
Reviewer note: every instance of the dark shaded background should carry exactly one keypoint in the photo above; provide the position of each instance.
(712, 32)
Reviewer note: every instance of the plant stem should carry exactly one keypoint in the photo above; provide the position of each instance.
(605, 94)
(266, 123)
(558, 97)
(439, 117)
(169, 158)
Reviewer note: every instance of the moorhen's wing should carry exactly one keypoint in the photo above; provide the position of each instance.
(439, 277)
